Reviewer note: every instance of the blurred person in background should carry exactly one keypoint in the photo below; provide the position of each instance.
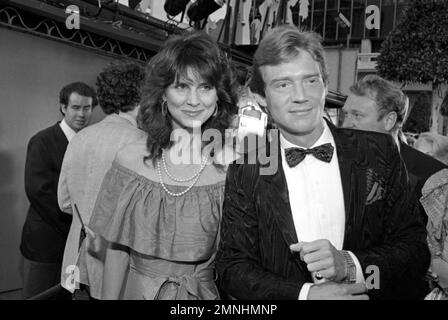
(46, 227)
(435, 201)
(434, 145)
(375, 104)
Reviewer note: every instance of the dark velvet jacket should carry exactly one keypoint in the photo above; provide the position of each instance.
(46, 227)
(382, 227)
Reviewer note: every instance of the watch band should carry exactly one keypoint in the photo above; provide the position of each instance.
(350, 268)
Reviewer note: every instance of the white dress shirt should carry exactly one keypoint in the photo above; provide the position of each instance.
(69, 132)
(316, 199)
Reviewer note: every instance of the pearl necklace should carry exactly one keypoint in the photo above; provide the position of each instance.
(180, 179)
(159, 171)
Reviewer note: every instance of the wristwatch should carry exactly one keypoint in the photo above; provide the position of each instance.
(350, 267)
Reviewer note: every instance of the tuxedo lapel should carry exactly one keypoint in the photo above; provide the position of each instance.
(276, 196)
(353, 183)
(276, 202)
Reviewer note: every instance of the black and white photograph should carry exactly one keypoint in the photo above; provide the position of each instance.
(224, 155)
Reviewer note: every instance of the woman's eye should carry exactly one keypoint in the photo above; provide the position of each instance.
(206, 87)
(180, 86)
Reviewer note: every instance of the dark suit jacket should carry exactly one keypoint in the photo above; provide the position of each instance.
(46, 227)
(381, 227)
(420, 166)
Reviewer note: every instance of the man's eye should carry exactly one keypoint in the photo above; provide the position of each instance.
(282, 85)
(313, 80)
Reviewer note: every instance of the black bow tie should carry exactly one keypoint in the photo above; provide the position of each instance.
(295, 155)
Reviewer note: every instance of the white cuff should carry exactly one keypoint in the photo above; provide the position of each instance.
(303, 295)
(359, 273)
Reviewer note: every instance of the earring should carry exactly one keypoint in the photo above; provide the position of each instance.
(215, 112)
(164, 108)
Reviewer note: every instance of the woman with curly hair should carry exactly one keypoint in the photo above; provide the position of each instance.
(159, 208)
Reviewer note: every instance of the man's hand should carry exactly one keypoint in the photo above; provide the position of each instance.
(321, 256)
(338, 291)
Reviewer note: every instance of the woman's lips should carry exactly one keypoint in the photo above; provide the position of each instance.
(191, 113)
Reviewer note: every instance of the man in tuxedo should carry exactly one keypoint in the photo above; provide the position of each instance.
(337, 219)
(375, 104)
(46, 226)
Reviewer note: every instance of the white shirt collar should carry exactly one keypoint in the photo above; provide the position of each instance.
(69, 132)
(325, 137)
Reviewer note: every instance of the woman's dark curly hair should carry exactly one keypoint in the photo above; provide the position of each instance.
(119, 86)
(194, 51)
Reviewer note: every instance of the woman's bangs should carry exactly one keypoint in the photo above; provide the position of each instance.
(200, 69)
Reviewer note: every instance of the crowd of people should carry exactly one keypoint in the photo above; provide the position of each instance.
(155, 202)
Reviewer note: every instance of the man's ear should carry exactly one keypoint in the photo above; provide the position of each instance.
(63, 109)
(389, 120)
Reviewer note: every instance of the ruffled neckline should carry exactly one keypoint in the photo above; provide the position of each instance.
(157, 184)
(136, 212)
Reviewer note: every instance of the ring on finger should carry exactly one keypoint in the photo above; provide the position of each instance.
(318, 276)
